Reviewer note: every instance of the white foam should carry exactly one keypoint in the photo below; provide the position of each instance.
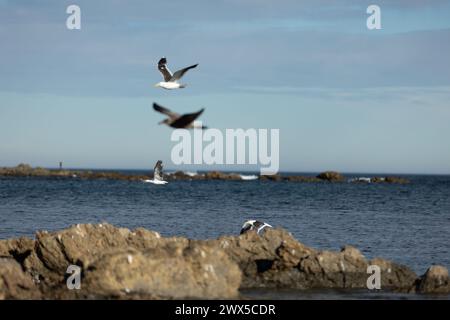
(251, 177)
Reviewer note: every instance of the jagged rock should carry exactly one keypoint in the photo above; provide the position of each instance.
(25, 170)
(435, 280)
(395, 276)
(216, 175)
(392, 180)
(275, 177)
(174, 271)
(140, 264)
(14, 283)
(18, 249)
(331, 176)
(82, 244)
(180, 175)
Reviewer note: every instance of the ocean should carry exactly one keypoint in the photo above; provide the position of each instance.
(409, 224)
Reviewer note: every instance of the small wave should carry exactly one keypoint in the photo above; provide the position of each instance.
(251, 177)
(361, 179)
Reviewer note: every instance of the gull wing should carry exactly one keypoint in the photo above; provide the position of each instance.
(158, 171)
(186, 119)
(261, 226)
(177, 75)
(162, 67)
(167, 112)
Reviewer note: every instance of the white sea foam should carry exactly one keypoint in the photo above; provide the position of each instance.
(251, 177)
(361, 179)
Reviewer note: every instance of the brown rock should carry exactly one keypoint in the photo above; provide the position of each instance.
(14, 283)
(120, 263)
(302, 179)
(216, 175)
(82, 244)
(395, 276)
(331, 176)
(435, 280)
(176, 271)
(275, 177)
(19, 249)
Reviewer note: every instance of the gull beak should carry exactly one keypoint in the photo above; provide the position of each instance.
(157, 85)
(161, 122)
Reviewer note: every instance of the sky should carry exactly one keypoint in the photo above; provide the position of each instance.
(344, 97)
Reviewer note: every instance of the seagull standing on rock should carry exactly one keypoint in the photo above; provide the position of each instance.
(254, 225)
(171, 80)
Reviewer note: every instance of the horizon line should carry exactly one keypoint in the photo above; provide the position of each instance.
(168, 169)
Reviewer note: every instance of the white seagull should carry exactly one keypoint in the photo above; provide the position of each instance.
(171, 80)
(254, 225)
(157, 174)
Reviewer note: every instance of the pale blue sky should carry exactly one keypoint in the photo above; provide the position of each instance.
(344, 98)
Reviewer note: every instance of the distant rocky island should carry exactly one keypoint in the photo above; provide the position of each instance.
(25, 170)
(118, 263)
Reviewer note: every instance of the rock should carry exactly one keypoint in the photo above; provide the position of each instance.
(140, 264)
(275, 177)
(14, 283)
(25, 170)
(395, 276)
(81, 245)
(176, 271)
(392, 180)
(302, 179)
(180, 175)
(216, 175)
(435, 280)
(397, 180)
(331, 176)
(18, 249)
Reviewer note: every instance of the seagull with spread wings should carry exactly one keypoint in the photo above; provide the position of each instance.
(177, 121)
(256, 226)
(171, 80)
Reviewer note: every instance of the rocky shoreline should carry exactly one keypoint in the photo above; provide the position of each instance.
(118, 263)
(25, 170)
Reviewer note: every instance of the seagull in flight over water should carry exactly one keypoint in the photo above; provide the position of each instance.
(177, 121)
(171, 80)
(254, 225)
(157, 174)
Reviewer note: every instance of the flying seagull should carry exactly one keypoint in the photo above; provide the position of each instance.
(177, 121)
(157, 174)
(254, 225)
(171, 80)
